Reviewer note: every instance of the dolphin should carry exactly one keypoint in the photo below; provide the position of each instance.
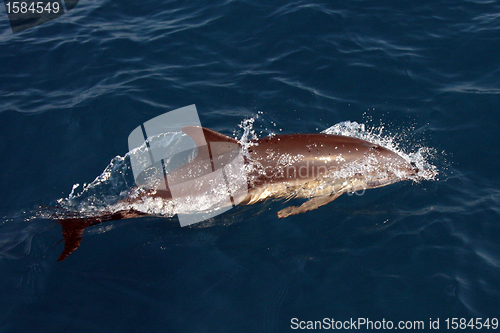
(318, 167)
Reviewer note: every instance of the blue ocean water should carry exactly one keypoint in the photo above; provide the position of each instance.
(73, 89)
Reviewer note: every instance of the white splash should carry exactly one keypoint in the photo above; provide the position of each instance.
(377, 135)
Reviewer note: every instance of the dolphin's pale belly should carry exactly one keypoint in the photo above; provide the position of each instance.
(305, 190)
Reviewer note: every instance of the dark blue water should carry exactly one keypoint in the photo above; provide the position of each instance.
(73, 89)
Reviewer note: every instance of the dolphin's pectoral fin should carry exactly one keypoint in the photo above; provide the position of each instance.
(311, 204)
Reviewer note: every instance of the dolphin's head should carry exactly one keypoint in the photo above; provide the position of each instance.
(386, 167)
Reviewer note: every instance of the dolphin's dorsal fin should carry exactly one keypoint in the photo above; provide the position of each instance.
(204, 136)
(214, 151)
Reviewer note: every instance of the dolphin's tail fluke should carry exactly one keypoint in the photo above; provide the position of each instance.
(72, 228)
